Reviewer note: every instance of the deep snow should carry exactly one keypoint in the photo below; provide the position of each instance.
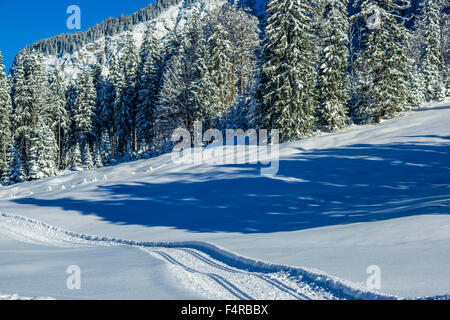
(371, 195)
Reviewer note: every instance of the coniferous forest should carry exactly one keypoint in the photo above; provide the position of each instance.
(304, 67)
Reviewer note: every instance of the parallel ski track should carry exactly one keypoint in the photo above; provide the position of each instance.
(274, 282)
(227, 285)
(215, 262)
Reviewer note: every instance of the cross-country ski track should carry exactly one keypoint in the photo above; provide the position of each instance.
(215, 272)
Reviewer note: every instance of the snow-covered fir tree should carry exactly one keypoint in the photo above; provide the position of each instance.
(288, 73)
(85, 107)
(88, 162)
(108, 101)
(43, 152)
(126, 99)
(148, 85)
(75, 156)
(14, 170)
(445, 42)
(30, 94)
(432, 60)
(100, 85)
(5, 116)
(222, 71)
(384, 67)
(203, 88)
(98, 163)
(105, 147)
(333, 74)
(56, 113)
(417, 87)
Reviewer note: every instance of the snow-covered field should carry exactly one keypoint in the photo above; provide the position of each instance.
(373, 195)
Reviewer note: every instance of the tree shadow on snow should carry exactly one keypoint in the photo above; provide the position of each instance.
(357, 183)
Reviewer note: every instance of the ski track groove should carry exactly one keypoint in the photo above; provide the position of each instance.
(227, 285)
(274, 282)
(321, 285)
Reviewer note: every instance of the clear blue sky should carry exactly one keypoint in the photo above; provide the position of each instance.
(24, 22)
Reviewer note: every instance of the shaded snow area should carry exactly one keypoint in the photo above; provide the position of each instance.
(151, 229)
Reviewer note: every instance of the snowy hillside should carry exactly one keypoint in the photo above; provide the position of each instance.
(103, 49)
(369, 195)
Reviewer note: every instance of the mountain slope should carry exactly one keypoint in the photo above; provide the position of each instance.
(101, 46)
(373, 195)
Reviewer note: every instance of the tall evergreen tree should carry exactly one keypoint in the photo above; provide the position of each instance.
(43, 152)
(30, 93)
(76, 160)
(127, 97)
(221, 69)
(105, 148)
(108, 100)
(288, 74)
(100, 85)
(85, 106)
(384, 66)
(148, 85)
(432, 59)
(98, 163)
(87, 157)
(203, 88)
(5, 116)
(445, 42)
(14, 170)
(334, 77)
(56, 112)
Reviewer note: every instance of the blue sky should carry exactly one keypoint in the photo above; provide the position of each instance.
(24, 22)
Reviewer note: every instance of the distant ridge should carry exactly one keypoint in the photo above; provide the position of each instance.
(68, 43)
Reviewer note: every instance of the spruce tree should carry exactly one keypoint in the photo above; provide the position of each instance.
(417, 87)
(148, 85)
(105, 147)
(87, 157)
(98, 163)
(14, 170)
(288, 73)
(221, 69)
(384, 66)
(5, 116)
(76, 160)
(203, 89)
(127, 97)
(43, 152)
(56, 113)
(333, 76)
(100, 86)
(84, 107)
(108, 102)
(30, 94)
(432, 59)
